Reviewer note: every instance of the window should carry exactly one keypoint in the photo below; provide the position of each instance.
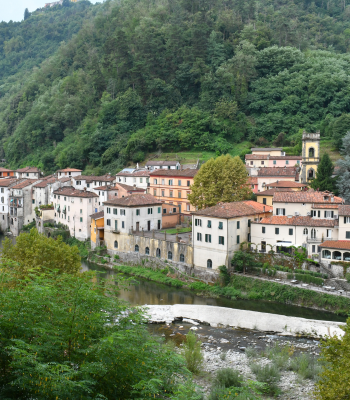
(158, 252)
(347, 235)
(263, 229)
(329, 214)
(2, 190)
(116, 225)
(208, 238)
(170, 255)
(147, 250)
(123, 224)
(238, 225)
(159, 210)
(221, 240)
(187, 207)
(237, 239)
(280, 211)
(170, 182)
(141, 180)
(262, 162)
(290, 231)
(209, 264)
(209, 224)
(164, 210)
(136, 248)
(277, 231)
(81, 219)
(264, 200)
(108, 210)
(182, 258)
(81, 211)
(115, 211)
(108, 222)
(329, 233)
(137, 211)
(155, 181)
(221, 225)
(163, 181)
(346, 220)
(150, 211)
(163, 193)
(251, 163)
(154, 192)
(188, 183)
(115, 244)
(199, 236)
(287, 162)
(122, 212)
(313, 233)
(248, 223)
(179, 194)
(311, 152)
(274, 162)
(198, 222)
(33, 201)
(305, 231)
(88, 185)
(170, 193)
(313, 248)
(179, 182)
(174, 210)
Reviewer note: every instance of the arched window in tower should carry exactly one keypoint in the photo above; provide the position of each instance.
(311, 152)
(311, 173)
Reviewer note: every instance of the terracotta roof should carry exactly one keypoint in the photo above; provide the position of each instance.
(175, 172)
(25, 183)
(311, 196)
(134, 200)
(72, 192)
(285, 184)
(266, 149)
(69, 170)
(28, 169)
(45, 183)
(234, 209)
(253, 180)
(325, 206)
(344, 210)
(337, 244)
(160, 163)
(91, 178)
(256, 157)
(7, 182)
(5, 170)
(298, 221)
(98, 215)
(278, 171)
(65, 179)
(271, 192)
(129, 188)
(134, 173)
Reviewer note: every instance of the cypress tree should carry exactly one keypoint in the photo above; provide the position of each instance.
(324, 180)
(26, 14)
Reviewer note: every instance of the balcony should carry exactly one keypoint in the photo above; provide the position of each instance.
(318, 239)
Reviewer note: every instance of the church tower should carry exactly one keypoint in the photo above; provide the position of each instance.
(310, 156)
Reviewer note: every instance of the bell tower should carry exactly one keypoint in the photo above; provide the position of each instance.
(310, 156)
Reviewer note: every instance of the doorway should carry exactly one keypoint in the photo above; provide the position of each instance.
(137, 226)
(148, 225)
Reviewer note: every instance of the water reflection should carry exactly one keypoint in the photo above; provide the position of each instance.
(144, 292)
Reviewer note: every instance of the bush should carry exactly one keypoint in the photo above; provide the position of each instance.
(305, 366)
(228, 377)
(347, 276)
(251, 352)
(192, 353)
(116, 257)
(268, 374)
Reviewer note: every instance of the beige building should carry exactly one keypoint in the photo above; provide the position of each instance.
(87, 182)
(269, 175)
(28, 173)
(68, 172)
(137, 177)
(311, 156)
(74, 208)
(219, 231)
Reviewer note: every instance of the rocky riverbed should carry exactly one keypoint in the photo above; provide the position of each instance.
(225, 347)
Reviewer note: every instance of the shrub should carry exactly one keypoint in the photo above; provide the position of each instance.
(192, 353)
(228, 377)
(347, 276)
(305, 366)
(268, 374)
(116, 257)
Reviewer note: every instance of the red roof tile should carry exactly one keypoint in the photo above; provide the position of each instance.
(70, 191)
(234, 209)
(285, 184)
(271, 192)
(45, 183)
(69, 170)
(134, 200)
(25, 183)
(28, 169)
(91, 178)
(336, 244)
(134, 173)
(8, 182)
(98, 215)
(190, 173)
(344, 210)
(278, 171)
(297, 221)
(253, 180)
(311, 196)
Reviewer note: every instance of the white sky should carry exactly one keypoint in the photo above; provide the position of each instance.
(14, 9)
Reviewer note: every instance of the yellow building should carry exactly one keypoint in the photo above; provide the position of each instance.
(97, 229)
(311, 156)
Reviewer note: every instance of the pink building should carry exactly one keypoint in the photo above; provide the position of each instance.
(265, 160)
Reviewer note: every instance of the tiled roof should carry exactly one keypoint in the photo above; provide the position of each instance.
(234, 209)
(25, 183)
(5, 170)
(65, 179)
(72, 192)
(297, 221)
(28, 169)
(253, 180)
(45, 183)
(266, 149)
(7, 182)
(160, 163)
(175, 172)
(311, 196)
(286, 184)
(134, 200)
(69, 170)
(336, 244)
(98, 215)
(344, 210)
(91, 178)
(129, 188)
(134, 173)
(325, 206)
(278, 171)
(271, 192)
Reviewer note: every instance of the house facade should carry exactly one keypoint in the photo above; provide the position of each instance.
(86, 182)
(269, 175)
(28, 173)
(68, 172)
(173, 187)
(219, 231)
(140, 178)
(97, 229)
(5, 173)
(5, 187)
(152, 165)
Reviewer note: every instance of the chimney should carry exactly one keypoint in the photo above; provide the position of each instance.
(264, 208)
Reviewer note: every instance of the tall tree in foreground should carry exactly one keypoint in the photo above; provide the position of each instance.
(223, 179)
(343, 182)
(325, 170)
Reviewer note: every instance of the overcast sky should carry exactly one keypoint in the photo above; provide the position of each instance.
(14, 9)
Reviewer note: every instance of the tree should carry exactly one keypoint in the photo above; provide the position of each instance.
(26, 14)
(325, 170)
(242, 260)
(65, 3)
(223, 179)
(343, 181)
(68, 336)
(35, 253)
(335, 376)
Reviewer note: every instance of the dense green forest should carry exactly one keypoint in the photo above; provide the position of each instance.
(147, 75)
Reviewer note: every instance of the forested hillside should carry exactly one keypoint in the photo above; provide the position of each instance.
(144, 75)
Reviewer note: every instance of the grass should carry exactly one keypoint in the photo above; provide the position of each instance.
(306, 366)
(174, 230)
(326, 146)
(228, 377)
(268, 374)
